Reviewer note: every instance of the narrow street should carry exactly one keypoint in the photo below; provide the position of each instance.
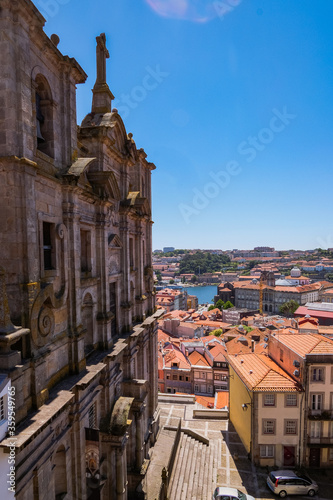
(230, 464)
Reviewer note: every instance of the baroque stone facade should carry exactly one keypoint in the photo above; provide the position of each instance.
(76, 275)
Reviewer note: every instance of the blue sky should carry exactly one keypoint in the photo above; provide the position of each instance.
(231, 99)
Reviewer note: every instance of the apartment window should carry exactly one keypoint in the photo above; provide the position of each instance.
(317, 374)
(181, 377)
(48, 246)
(291, 400)
(290, 426)
(269, 399)
(187, 379)
(196, 388)
(218, 365)
(92, 416)
(2, 409)
(316, 401)
(174, 377)
(216, 377)
(85, 251)
(269, 426)
(267, 451)
(315, 429)
(168, 377)
(175, 365)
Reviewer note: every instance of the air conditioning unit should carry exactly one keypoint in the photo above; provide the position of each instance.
(296, 373)
(265, 339)
(296, 363)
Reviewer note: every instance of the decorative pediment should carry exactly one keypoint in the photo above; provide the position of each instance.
(78, 171)
(114, 241)
(105, 185)
(134, 202)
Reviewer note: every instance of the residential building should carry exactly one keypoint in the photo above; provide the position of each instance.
(265, 404)
(323, 311)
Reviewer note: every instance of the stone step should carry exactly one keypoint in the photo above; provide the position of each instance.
(187, 466)
(177, 467)
(192, 469)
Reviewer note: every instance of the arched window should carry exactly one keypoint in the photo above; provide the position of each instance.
(44, 116)
(60, 473)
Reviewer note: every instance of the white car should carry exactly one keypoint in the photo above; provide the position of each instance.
(222, 493)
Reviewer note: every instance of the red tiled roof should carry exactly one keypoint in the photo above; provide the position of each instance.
(260, 373)
(221, 399)
(197, 359)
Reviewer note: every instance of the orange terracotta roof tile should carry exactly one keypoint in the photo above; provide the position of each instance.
(221, 399)
(196, 359)
(259, 373)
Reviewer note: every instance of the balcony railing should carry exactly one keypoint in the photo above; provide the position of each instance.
(320, 414)
(320, 440)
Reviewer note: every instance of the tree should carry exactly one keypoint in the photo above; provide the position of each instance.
(171, 282)
(218, 332)
(329, 277)
(219, 304)
(210, 308)
(158, 275)
(228, 305)
(288, 308)
(194, 279)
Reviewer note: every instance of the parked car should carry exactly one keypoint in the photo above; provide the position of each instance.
(288, 482)
(222, 493)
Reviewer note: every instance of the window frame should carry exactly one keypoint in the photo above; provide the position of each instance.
(286, 400)
(288, 420)
(265, 405)
(264, 423)
(266, 446)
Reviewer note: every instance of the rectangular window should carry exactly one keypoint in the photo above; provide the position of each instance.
(290, 426)
(174, 377)
(317, 375)
(267, 451)
(216, 377)
(48, 246)
(2, 409)
(281, 355)
(269, 426)
(168, 377)
(315, 429)
(331, 453)
(317, 402)
(187, 379)
(92, 417)
(269, 399)
(175, 365)
(85, 251)
(131, 249)
(291, 400)
(196, 388)
(181, 377)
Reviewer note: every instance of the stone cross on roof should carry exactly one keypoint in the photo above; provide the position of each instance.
(102, 95)
(102, 54)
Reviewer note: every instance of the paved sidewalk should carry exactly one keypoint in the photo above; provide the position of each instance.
(234, 467)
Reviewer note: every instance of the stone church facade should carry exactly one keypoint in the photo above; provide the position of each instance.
(78, 346)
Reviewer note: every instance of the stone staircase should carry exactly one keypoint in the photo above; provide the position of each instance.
(195, 469)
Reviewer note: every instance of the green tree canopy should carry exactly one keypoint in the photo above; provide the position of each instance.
(288, 308)
(218, 332)
(219, 304)
(194, 279)
(203, 262)
(228, 305)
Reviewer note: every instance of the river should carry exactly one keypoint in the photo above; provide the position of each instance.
(205, 294)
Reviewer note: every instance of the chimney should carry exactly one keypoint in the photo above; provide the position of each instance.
(252, 345)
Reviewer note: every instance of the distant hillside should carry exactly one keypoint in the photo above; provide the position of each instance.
(207, 262)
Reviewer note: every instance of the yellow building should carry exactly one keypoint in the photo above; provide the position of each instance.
(265, 406)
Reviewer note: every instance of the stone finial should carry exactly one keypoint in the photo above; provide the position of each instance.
(102, 95)
(6, 326)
